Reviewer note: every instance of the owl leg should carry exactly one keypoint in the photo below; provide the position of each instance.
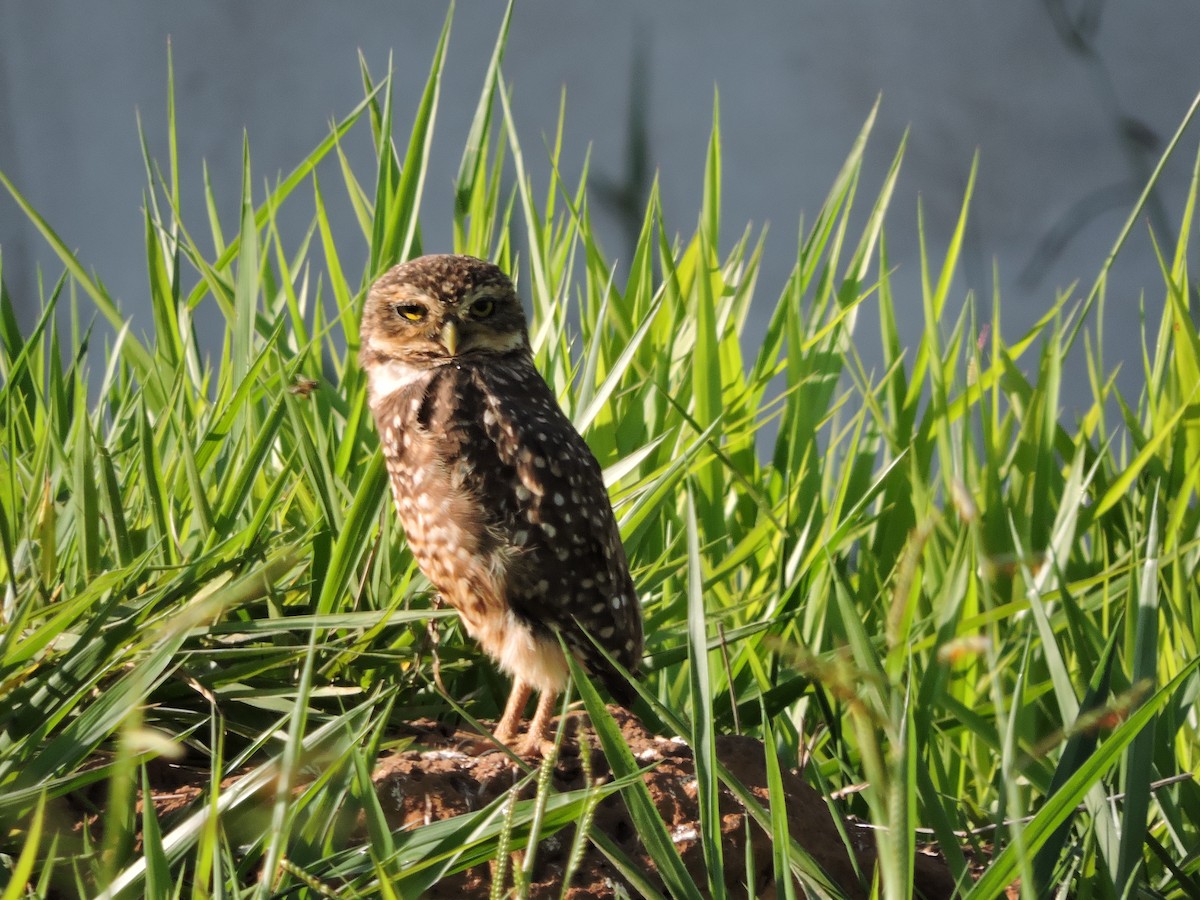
(538, 738)
(514, 711)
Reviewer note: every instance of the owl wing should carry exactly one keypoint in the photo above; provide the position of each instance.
(552, 520)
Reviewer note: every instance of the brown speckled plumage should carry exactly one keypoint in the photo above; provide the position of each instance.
(501, 499)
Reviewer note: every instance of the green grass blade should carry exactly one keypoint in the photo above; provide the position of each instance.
(1058, 807)
(646, 820)
(158, 870)
(1139, 758)
(703, 741)
(32, 844)
(352, 541)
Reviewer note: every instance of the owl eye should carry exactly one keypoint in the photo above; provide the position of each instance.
(410, 311)
(483, 307)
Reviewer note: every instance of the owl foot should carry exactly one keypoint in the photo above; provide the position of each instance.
(479, 746)
(530, 747)
(538, 746)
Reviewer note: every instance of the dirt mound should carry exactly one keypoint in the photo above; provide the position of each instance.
(439, 780)
(443, 774)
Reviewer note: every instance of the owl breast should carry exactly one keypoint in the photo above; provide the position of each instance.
(507, 515)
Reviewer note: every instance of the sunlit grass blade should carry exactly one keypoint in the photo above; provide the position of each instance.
(396, 207)
(780, 833)
(702, 708)
(473, 164)
(1135, 215)
(32, 845)
(138, 355)
(352, 541)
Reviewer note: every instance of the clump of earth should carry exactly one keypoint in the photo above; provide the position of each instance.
(443, 773)
(434, 779)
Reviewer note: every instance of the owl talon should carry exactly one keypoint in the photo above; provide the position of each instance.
(528, 748)
(479, 746)
(540, 747)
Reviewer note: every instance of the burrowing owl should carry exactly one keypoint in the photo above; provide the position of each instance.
(501, 499)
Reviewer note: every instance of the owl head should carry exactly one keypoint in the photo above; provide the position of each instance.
(436, 308)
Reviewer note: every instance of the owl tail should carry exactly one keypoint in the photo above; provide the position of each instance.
(616, 683)
(599, 666)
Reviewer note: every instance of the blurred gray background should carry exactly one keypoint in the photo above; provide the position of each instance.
(1068, 103)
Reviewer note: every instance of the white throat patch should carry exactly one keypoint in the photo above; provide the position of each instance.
(385, 379)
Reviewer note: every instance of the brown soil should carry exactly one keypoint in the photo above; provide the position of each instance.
(438, 781)
(442, 774)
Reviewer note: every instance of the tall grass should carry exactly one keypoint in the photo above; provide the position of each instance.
(920, 579)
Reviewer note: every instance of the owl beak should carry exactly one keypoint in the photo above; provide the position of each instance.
(450, 337)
